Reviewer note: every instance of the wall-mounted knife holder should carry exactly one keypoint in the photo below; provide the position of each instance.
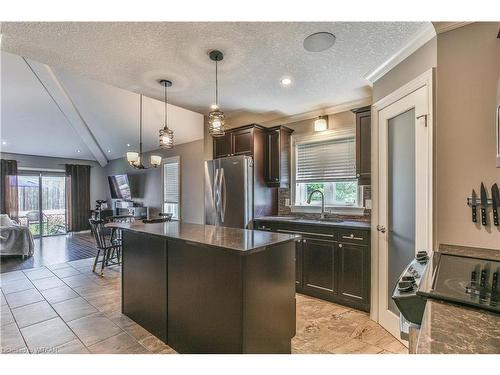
(489, 202)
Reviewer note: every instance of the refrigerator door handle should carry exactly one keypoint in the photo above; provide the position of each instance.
(216, 193)
(223, 193)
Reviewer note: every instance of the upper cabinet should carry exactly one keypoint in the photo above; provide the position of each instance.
(363, 145)
(223, 146)
(239, 141)
(278, 156)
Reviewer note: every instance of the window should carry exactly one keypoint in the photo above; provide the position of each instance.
(327, 164)
(171, 187)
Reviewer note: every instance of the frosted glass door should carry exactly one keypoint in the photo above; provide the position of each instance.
(401, 197)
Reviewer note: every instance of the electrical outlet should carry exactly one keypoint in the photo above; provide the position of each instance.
(368, 204)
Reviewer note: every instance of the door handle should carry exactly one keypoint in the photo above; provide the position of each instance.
(223, 191)
(381, 228)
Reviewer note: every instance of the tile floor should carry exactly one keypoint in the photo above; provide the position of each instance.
(65, 308)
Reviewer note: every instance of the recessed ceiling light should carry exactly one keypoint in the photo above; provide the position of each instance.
(128, 144)
(4, 142)
(286, 81)
(318, 42)
(78, 151)
(109, 151)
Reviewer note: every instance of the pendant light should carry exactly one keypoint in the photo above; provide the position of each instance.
(216, 117)
(135, 158)
(166, 134)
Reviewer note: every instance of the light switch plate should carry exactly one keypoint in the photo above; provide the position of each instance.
(287, 202)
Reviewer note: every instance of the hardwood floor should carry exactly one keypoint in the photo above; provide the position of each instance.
(66, 308)
(53, 250)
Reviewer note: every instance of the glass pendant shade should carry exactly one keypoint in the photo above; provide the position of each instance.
(216, 123)
(166, 138)
(132, 157)
(166, 134)
(155, 160)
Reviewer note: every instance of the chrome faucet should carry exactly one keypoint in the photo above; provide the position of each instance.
(322, 201)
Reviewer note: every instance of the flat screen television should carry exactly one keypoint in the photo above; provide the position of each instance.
(119, 186)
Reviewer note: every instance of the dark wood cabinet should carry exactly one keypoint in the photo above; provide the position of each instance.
(332, 263)
(318, 265)
(223, 146)
(354, 273)
(243, 142)
(278, 156)
(363, 145)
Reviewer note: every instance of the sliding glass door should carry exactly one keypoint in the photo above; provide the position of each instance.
(42, 202)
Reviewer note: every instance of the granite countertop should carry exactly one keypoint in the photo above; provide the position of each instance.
(242, 241)
(324, 223)
(450, 328)
(453, 329)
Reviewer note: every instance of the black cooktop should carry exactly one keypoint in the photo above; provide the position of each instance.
(466, 280)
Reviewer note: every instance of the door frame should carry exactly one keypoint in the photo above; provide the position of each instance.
(426, 80)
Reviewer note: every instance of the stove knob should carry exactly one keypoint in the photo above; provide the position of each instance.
(410, 279)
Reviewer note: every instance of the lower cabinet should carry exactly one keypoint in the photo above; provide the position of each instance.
(336, 269)
(354, 274)
(318, 265)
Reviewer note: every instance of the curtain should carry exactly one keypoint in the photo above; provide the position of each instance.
(8, 188)
(77, 197)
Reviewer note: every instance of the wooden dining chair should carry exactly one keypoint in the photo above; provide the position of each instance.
(110, 247)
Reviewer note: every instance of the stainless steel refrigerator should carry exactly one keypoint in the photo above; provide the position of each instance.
(229, 192)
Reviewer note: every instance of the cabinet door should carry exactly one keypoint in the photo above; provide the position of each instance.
(273, 157)
(363, 147)
(243, 142)
(354, 272)
(318, 265)
(298, 264)
(223, 146)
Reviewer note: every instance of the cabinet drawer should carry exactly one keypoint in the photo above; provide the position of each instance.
(354, 236)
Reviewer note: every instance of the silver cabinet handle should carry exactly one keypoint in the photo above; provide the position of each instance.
(351, 237)
(340, 245)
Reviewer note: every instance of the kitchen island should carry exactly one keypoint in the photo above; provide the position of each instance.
(208, 289)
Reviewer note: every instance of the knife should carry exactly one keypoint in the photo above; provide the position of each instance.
(484, 204)
(496, 203)
(473, 203)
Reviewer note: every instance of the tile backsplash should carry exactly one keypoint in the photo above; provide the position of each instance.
(284, 210)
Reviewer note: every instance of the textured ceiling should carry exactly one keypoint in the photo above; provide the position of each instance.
(134, 56)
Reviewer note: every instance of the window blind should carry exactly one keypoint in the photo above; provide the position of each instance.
(328, 160)
(171, 182)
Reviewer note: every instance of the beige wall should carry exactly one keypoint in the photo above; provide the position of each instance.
(417, 63)
(468, 71)
(341, 120)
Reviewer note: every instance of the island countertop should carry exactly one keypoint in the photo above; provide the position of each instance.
(243, 241)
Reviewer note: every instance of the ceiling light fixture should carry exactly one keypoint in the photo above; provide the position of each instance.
(78, 151)
(286, 81)
(216, 117)
(166, 134)
(135, 158)
(321, 124)
(4, 142)
(318, 42)
(128, 144)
